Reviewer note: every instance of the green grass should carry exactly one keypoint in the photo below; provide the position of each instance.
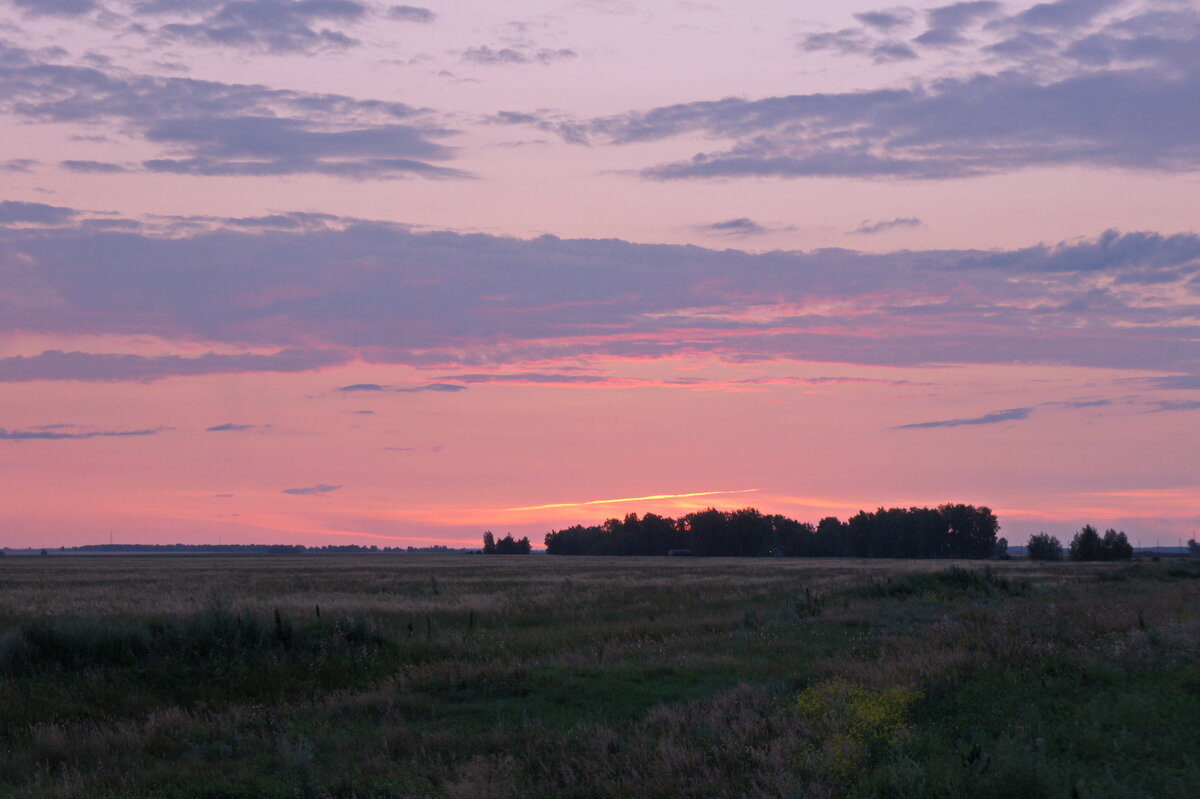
(513, 677)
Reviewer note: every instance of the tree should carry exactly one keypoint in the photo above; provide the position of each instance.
(1000, 551)
(972, 532)
(489, 543)
(1043, 546)
(1115, 546)
(1086, 544)
(1193, 547)
(510, 546)
(1089, 545)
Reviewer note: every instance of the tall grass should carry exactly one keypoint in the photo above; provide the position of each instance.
(459, 676)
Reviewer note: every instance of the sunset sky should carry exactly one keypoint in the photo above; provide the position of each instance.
(348, 271)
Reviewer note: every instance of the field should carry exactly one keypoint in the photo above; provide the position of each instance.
(472, 676)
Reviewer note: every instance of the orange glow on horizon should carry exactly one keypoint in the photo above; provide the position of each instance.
(632, 499)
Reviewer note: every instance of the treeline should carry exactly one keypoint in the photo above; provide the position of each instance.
(952, 531)
(240, 549)
(1087, 544)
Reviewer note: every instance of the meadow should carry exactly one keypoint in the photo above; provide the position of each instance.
(537, 676)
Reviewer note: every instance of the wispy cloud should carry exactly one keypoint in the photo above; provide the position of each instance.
(228, 427)
(18, 165)
(869, 227)
(319, 488)
(1161, 406)
(370, 387)
(740, 227)
(58, 435)
(115, 367)
(411, 14)
(515, 55)
(442, 387)
(995, 417)
(94, 167)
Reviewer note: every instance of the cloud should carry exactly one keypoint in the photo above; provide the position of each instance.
(222, 496)
(531, 378)
(1163, 40)
(855, 42)
(275, 26)
(254, 145)
(18, 165)
(886, 20)
(1096, 403)
(319, 488)
(740, 227)
(229, 426)
(61, 8)
(1062, 15)
(514, 55)
(1010, 415)
(956, 128)
(1120, 95)
(947, 23)
(690, 383)
(363, 387)
(869, 227)
(1174, 382)
(58, 435)
(208, 128)
(1023, 45)
(411, 14)
(116, 367)
(318, 296)
(14, 211)
(444, 387)
(93, 167)
(403, 389)
(1162, 406)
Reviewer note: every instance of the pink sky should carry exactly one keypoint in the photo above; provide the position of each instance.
(359, 272)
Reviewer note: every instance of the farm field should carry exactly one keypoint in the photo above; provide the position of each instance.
(540, 676)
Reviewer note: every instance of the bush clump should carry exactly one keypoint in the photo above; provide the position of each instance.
(849, 724)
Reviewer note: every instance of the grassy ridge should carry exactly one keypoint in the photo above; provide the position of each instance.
(507, 677)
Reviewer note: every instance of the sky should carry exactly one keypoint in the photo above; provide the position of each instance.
(349, 271)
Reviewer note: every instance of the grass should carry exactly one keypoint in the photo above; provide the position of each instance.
(459, 676)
